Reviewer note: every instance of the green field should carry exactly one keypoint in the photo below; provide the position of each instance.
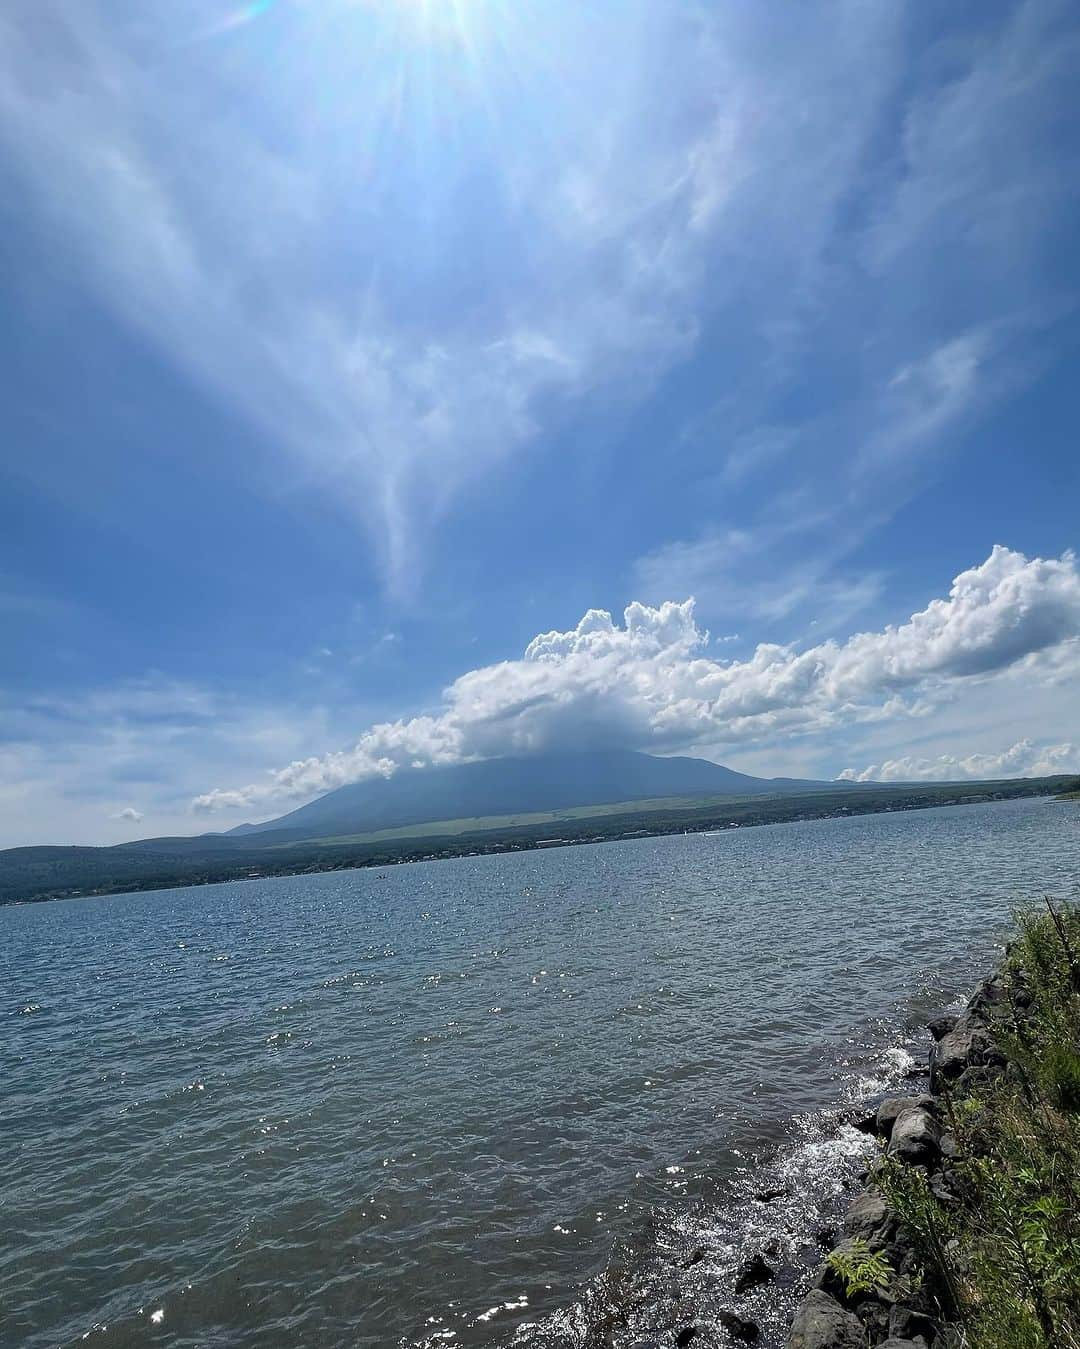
(481, 824)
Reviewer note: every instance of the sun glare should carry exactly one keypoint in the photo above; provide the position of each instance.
(431, 19)
(427, 20)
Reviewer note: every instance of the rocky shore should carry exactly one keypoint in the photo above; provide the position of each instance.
(910, 1308)
(944, 1216)
(968, 1229)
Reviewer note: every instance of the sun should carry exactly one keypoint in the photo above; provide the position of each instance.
(439, 20)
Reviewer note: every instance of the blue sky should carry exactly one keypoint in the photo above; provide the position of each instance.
(350, 345)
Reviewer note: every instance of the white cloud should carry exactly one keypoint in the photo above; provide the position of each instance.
(231, 258)
(69, 762)
(736, 572)
(646, 683)
(1022, 760)
(273, 252)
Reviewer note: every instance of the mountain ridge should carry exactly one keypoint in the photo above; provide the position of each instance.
(510, 785)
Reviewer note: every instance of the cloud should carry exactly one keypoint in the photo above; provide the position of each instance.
(866, 459)
(403, 282)
(294, 269)
(69, 761)
(1022, 760)
(648, 683)
(950, 238)
(725, 569)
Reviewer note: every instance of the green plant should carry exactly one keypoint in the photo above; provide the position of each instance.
(1003, 1252)
(922, 1213)
(861, 1269)
(1061, 1076)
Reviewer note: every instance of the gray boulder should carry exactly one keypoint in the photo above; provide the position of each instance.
(968, 1045)
(821, 1323)
(908, 1323)
(894, 1106)
(941, 1025)
(915, 1137)
(988, 998)
(869, 1218)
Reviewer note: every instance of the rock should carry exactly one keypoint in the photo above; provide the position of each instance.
(695, 1256)
(893, 1343)
(739, 1327)
(939, 1188)
(940, 1026)
(975, 1080)
(866, 1216)
(915, 1137)
(821, 1323)
(893, 1106)
(949, 1146)
(752, 1272)
(874, 1319)
(988, 998)
(686, 1336)
(906, 1323)
(968, 1045)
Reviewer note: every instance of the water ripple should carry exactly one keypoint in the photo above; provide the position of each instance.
(423, 1105)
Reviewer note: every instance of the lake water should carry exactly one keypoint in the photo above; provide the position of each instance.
(422, 1104)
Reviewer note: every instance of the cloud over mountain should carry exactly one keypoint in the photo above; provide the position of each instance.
(650, 682)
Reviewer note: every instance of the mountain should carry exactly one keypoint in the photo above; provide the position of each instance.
(512, 787)
(706, 797)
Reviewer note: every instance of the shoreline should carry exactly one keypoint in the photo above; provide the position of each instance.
(713, 820)
(966, 1230)
(915, 1247)
(733, 1267)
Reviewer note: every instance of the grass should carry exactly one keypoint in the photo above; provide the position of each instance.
(478, 824)
(1005, 1251)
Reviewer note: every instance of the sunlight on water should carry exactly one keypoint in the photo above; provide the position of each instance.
(421, 1105)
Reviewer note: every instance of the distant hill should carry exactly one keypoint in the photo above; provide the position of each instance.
(733, 800)
(509, 787)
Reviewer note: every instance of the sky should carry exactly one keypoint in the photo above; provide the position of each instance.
(394, 382)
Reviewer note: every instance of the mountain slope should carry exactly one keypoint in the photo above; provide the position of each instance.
(510, 786)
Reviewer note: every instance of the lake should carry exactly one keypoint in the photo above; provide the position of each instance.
(420, 1105)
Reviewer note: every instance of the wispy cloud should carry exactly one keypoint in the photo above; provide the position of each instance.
(261, 259)
(330, 274)
(929, 282)
(70, 765)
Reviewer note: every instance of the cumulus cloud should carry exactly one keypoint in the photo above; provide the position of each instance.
(128, 813)
(650, 683)
(1025, 759)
